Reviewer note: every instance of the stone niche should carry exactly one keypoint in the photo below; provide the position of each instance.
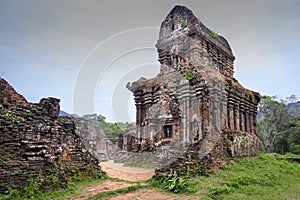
(34, 141)
(194, 104)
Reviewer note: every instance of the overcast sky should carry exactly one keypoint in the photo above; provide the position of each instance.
(84, 52)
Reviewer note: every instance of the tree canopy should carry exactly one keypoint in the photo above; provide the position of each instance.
(109, 129)
(278, 129)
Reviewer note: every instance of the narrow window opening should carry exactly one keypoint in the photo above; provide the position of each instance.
(168, 131)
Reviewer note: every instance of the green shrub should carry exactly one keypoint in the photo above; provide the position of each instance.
(176, 184)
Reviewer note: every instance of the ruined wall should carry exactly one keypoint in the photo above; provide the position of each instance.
(34, 140)
(95, 141)
(193, 162)
(8, 96)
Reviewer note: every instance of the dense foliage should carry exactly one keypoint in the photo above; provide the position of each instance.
(278, 127)
(110, 130)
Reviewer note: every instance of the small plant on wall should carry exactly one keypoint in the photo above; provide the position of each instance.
(192, 76)
(214, 34)
(183, 23)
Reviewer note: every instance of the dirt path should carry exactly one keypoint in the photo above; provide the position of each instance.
(141, 194)
(148, 194)
(131, 176)
(106, 186)
(117, 170)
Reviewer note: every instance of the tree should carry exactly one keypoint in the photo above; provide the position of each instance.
(279, 125)
(110, 130)
(291, 99)
(273, 118)
(293, 105)
(294, 136)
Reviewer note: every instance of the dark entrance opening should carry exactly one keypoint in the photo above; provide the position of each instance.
(167, 131)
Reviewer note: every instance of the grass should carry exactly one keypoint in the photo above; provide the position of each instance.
(73, 190)
(262, 177)
(287, 155)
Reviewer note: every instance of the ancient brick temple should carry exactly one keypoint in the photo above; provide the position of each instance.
(194, 98)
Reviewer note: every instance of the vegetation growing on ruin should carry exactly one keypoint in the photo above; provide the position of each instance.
(183, 23)
(191, 76)
(213, 34)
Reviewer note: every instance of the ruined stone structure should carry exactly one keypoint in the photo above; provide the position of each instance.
(194, 99)
(96, 142)
(34, 141)
(9, 96)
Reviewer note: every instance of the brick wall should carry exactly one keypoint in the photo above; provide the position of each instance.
(34, 140)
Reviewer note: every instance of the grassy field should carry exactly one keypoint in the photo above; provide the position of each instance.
(267, 176)
(263, 177)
